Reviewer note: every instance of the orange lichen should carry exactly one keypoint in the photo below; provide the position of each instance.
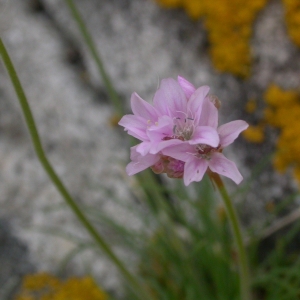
(229, 25)
(44, 286)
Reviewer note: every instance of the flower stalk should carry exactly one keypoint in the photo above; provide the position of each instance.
(29, 120)
(242, 256)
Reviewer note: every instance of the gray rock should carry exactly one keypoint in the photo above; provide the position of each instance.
(140, 44)
(14, 261)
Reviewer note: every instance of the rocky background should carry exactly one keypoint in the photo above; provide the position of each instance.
(140, 44)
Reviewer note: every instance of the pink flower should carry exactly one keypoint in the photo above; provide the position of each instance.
(179, 134)
(173, 118)
(198, 158)
(139, 163)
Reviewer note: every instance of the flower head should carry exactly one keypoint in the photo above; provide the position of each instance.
(179, 134)
(198, 158)
(173, 118)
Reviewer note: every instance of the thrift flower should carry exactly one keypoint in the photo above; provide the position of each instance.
(179, 134)
(198, 158)
(173, 118)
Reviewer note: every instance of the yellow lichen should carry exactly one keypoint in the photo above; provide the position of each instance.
(44, 286)
(194, 9)
(35, 281)
(292, 18)
(254, 134)
(283, 112)
(251, 106)
(78, 289)
(229, 25)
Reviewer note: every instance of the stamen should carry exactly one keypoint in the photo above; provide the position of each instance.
(205, 151)
(174, 129)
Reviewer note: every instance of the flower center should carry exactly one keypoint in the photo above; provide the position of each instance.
(205, 151)
(183, 128)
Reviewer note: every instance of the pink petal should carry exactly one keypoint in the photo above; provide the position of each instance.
(195, 102)
(161, 129)
(141, 163)
(170, 99)
(181, 151)
(194, 170)
(205, 135)
(142, 108)
(230, 131)
(221, 165)
(187, 87)
(135, 126)
(134, 155)
(164, 144)
(209, 114)
(144, 148)
(163, 123)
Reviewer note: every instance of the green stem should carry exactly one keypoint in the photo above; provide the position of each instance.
(135, 285)
(242, 256)
(95, 54)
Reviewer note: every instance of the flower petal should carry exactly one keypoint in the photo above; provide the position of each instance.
(164, 144)
(164, 124)
(135, 126)
(230, 131)
(134, 155)
(195, 102)
(221, 165)
(205, 135)
(187, 87)
(209, 114)
(140, 162)
(142, 108)
(181, 151)
(170, 99)
(194, 170)
(161, 129)
(144, 148)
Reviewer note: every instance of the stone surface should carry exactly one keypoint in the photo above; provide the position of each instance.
(140, 43)
(14, 261)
